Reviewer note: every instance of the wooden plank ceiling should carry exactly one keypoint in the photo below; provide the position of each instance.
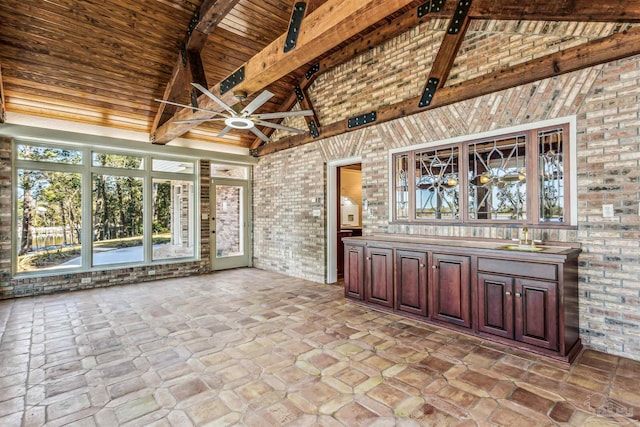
(104, 62)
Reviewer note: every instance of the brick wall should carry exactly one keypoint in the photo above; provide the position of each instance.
(27, 286)
(606, 102)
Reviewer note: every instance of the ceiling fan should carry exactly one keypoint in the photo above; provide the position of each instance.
(244, 119)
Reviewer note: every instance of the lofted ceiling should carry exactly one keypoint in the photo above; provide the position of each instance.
(104, 62)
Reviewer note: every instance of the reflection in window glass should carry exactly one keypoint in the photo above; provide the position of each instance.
(173, 228)
(117, 219)
(159, 165)
(117, 161)
(49, 220)
(48, 154)
(497, 179)
(229, 230)
(437, 184)
(229, 171)
(551, 167)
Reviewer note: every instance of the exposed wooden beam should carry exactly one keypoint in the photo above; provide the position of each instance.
(399, 25)
(292, 99)
(559, 10)
(328, 26)
(446, 53)
(2, 104)
(209, 15)
(607, 49)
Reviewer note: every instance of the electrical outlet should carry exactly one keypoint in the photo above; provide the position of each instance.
(85, 280)
(607, 211)
(151, 272)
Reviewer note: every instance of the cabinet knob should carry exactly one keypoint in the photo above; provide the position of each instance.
(435, 267)
(368, 258)
(508, 293)
(422, 266)
(518, 295)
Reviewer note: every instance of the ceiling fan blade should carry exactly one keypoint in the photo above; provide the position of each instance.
(214, 119)
(277, 126)
(259, 134)
(224, 131)
(283, 114)
(257, 102)
(186, 106)
(215, 98)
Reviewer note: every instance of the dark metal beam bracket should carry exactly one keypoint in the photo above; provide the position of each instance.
(458, 16)
(313, 128)
(429, 91)
(299, 93)
(232, 81)
(294, 26)
(431, 6)
(362, 120)
(311, 71)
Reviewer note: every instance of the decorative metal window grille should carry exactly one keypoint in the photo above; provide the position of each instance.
(497, 178)
(402, 186)
(437, 184)
(551, 175)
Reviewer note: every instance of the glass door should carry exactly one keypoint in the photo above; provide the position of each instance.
(229, 231)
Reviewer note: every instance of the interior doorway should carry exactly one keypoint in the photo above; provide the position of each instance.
(229, 224)
(344, 210)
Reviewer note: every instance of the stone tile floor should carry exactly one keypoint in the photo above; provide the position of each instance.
(249, 347)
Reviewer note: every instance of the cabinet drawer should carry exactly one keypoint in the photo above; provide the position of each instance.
(518, 268)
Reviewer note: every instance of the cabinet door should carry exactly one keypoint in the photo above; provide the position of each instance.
(379, 278)
(354, 271)
(495, 305)
(411, 282)
(451, 289)
(536, 305)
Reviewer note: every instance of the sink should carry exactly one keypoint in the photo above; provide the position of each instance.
(525, 248)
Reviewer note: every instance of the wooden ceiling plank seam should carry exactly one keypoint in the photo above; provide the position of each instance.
(212, 13)
(77, 55)
(73, 19)
(3, 110)
(80, 73)
(331, 24)
(596, 52)
(35, 89)
(574, 10)
(80, 105)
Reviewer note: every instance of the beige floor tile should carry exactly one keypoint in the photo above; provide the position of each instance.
(250, 347)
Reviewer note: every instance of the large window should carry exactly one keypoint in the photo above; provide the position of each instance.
(136, 208)
(520, 177)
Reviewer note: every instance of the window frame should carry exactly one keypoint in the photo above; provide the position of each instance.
(87, 171)
(533, 217)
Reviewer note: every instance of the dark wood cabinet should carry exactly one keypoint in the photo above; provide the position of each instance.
(495, 305)
(451, 289)
(523, 299)
(536, 308)
(379, 276)
(354, 271)
(411, 282)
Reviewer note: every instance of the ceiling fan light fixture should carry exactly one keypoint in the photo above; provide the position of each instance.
(238, 123)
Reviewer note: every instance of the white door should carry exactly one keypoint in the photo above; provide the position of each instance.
(229, 225)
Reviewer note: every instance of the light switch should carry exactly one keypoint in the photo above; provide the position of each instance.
(607, 211)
